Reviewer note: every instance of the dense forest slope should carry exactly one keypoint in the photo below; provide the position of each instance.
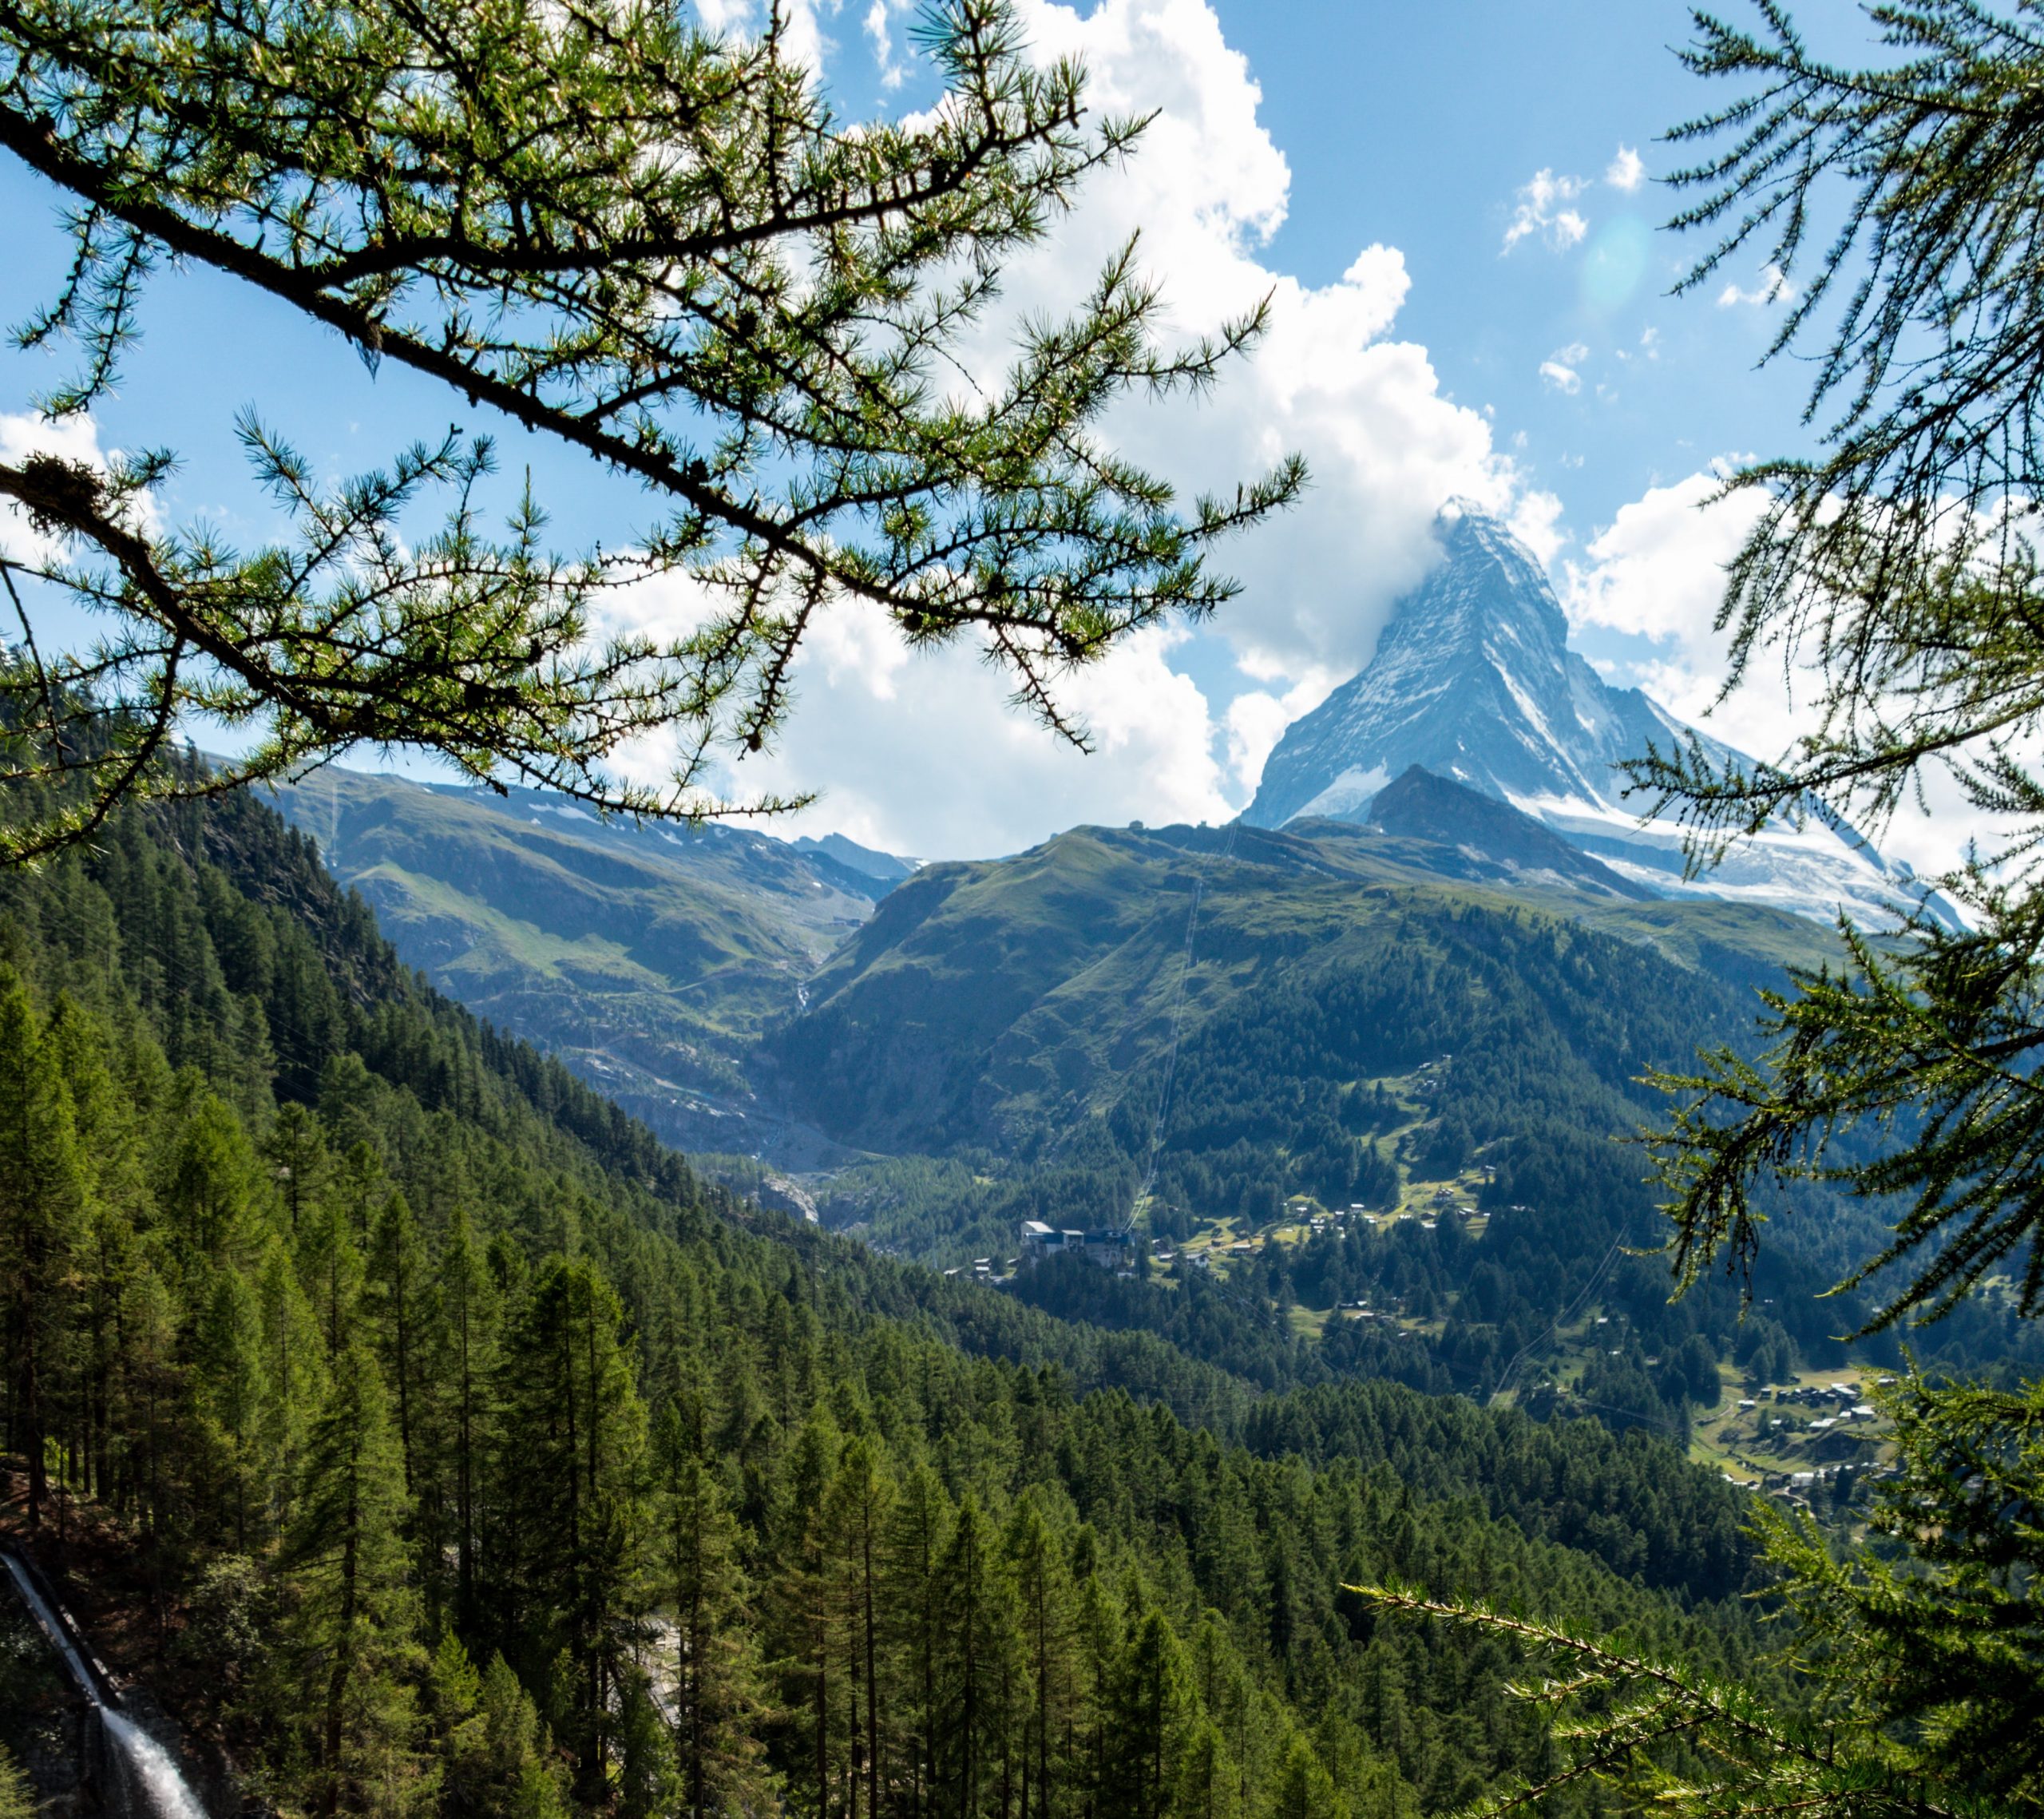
(482, 1459)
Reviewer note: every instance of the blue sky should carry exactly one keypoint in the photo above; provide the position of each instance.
(1418, 126)
(1455, 203)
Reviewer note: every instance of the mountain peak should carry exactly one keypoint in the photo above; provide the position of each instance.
(1473, 680)
(1470, 537)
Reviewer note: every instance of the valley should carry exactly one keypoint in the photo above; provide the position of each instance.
(1198, 1218)
(1356, 1078)
(309, 1176)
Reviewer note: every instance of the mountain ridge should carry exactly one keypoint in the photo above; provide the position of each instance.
(1491, 839)
(649, 958)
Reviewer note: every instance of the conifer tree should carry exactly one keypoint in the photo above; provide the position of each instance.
(717, 1703)
(42, 1229)
(329, 1263)
(918, 1542)
(459, 1730)
(571, 1457)
(523, 1781)
(150, 1386)
(397, 1268)
(978, 1680)
(1100, 1632)
(295, 1147)
(1226, 1698)
(855, 1518)
(465, 1360)
(354, 1620)
(1153, 1711)
(294, 1372)
(105, 1125)
(1304, 1789)
(689, 272)
(227, 1356)
(808, 1622)
(1043, 1591)
(103, 1116)
(1208, 1782)
(212, 1183)
(647, 1785)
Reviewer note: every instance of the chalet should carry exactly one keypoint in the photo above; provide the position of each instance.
(1108, 1249)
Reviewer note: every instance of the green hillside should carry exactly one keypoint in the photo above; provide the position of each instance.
(1360, 1118)
(1366, 1033)
(648, 958)
(1370, 1031)
(989, 1002)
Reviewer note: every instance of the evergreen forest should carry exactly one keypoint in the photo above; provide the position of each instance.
(469, 1453)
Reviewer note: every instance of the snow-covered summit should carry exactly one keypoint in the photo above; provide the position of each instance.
(1473, 678)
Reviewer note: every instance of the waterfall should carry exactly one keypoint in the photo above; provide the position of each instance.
(154, 1788)
(146, 1781)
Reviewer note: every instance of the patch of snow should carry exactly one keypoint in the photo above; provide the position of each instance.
(1348, 792)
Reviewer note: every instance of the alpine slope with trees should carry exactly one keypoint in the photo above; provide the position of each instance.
(1347, 1029)
(475, 1457)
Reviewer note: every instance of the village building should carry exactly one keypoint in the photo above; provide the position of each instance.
(1110, 1250)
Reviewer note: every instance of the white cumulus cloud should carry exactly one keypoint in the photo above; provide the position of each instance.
(1536, 521)
(920, 752)
(802, 30)
(1205, 190)
(1255, 721)
(23, 433)
(1656, 573)
(1657, 569)
(1626, 171)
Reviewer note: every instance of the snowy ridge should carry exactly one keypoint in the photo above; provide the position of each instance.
(1474, 681)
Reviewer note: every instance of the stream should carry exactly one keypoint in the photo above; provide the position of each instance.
(143, 1780)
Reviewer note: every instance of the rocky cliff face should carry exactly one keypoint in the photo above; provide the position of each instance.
(1474, 681)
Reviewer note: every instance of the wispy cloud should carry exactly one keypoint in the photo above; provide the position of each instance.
(1649, 348)
(880, 28)
(1560, 369)
(1773, 288)
(1542, 210)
